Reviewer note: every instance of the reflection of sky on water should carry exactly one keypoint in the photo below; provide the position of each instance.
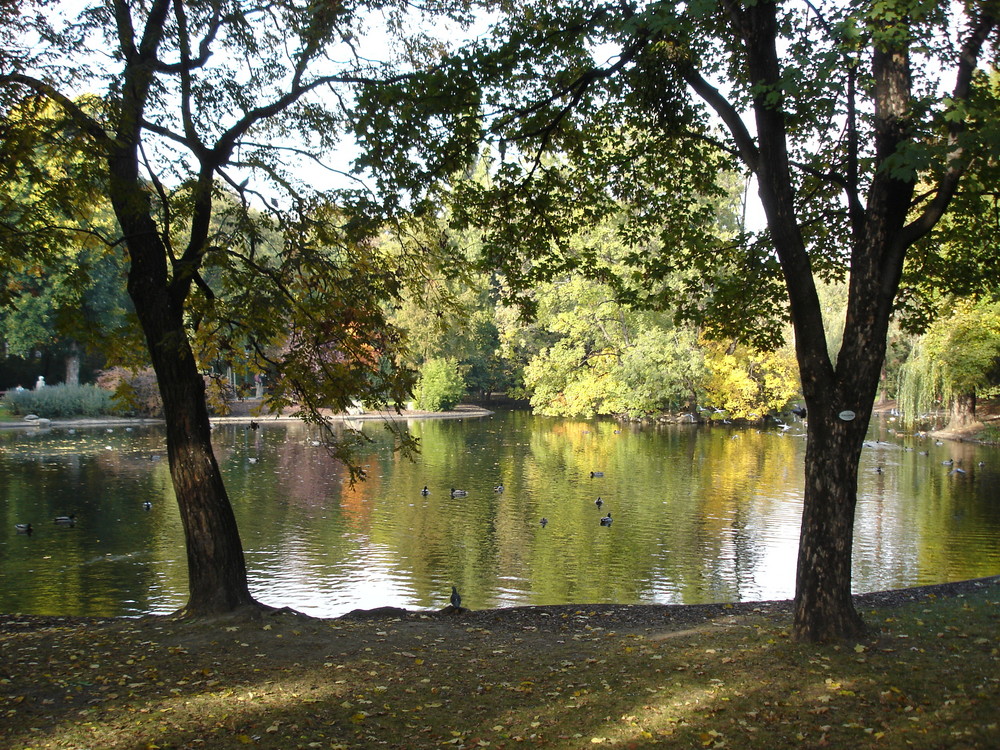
(700, 515)
(329, 590)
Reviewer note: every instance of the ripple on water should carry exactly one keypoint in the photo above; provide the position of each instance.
(698, 517)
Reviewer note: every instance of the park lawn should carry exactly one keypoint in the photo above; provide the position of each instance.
(593, 676)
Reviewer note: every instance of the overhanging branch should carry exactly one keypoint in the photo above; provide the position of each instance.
(957, 161)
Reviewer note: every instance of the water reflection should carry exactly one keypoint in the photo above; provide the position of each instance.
(699, 515)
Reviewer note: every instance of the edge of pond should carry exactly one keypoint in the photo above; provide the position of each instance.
(547, 618)
(462, 411)
(641, 615)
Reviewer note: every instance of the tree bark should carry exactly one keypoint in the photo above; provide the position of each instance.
(962, 413)
(824, 609)
(839, 399)
(73, 365)
(217, 575)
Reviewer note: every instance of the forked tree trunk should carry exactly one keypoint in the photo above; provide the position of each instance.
(217, 576)
(824, 609)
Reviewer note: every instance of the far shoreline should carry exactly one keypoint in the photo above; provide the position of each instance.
(245, 416)
(242, 412)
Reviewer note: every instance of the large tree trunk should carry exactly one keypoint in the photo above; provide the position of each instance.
(824, 609)
(839, 398)
(962, 413)
(217, 576)
(73, 365)
(839, 404)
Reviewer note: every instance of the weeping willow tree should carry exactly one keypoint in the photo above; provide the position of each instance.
(953, 362)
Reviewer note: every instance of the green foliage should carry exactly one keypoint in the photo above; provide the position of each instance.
(209, 156)
(61, 282)
(50, 198)
(564, 380)
(440, 385)
(449, 309)
(664, 368)
(991, 434)
(306, 303)
(661, 369)
(585, 354)
(957, 356)
(678, 248)
(62, 401)
(959, 257)
(57, 307)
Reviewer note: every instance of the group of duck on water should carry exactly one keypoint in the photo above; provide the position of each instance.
(67, 521)
(26, 528)
(605, 520)
(456, 598)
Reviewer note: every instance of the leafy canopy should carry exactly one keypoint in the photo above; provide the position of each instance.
(221, 127)
(958, 356)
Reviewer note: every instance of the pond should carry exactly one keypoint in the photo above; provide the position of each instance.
(700, 514)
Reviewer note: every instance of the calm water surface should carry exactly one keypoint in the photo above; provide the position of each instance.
(700, 515)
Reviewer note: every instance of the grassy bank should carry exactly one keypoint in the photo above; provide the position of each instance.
(561, 677)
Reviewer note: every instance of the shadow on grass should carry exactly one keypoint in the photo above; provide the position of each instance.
(928, 677)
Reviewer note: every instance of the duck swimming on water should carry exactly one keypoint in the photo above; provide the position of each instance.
(606, 521)
(23, 528)
(458, 493)
(65, 520)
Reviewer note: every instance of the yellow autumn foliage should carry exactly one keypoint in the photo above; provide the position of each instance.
(746, 383)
